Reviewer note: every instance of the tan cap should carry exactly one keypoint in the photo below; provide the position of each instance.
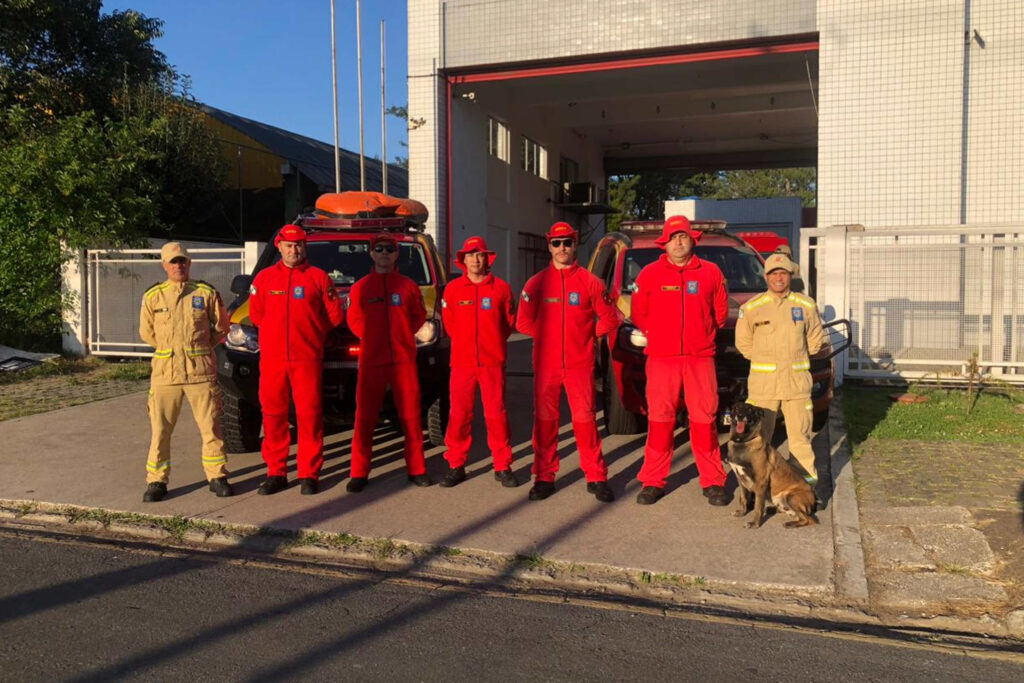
(776, 261)
(173, 250)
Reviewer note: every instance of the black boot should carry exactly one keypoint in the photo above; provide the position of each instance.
(455, 476)
(221, 487)
(356, 484)
(507, 478)
(541, 490)
(601, 491)
(309, 486)
(155, 492)
(272, 485)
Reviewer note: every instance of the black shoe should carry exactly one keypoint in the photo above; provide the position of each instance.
(272, 485)
(455, 476)
(356, 484)
(507, 478)
(309, 486)
(601, 491)
(541, 490)
(421, 479)
(716, 495)
(155, 492)
(649, 495)
(221, 487)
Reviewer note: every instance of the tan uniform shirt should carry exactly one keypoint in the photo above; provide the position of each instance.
(778, 335)
(183, 321)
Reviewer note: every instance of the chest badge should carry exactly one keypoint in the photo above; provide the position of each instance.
(396, 299)
(299, 292)
(198, 303)
(485, 303)
(692, 287)
(574, 298)
(798, 314)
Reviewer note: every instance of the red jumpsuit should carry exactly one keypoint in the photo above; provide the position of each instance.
(680, 309)
(557, 308)
(294, 309)
(385, 310)
(478, 316)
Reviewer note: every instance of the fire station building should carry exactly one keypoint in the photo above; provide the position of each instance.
(911, 110)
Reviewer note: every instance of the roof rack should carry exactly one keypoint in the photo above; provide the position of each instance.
(369, 224)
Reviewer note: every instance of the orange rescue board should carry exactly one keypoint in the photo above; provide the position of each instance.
(354, 204)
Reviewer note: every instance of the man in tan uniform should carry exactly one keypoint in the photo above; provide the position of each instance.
(778, 331)
(183, 320)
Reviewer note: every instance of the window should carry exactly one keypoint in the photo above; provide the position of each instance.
(535, 158)
(568, 171)
(498, 139)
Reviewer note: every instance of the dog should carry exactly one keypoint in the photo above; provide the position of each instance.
(762, 471)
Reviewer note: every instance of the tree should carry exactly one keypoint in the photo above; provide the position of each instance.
(400, 112)
(102, 146)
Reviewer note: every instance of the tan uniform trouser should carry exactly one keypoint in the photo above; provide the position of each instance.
(799, 415)
(164, 407)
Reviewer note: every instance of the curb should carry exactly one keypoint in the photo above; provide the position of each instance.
(472, 569)
(850, 573)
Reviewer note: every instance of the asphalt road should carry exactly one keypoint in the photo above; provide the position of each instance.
(78, 611)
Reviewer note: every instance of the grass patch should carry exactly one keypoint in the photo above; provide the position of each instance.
(54, 367)
(447, 551)
(870, 413)
(129, 371)
(533, 561)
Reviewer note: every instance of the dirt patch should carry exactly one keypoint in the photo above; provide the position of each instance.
(1004, 532)
(69, 383)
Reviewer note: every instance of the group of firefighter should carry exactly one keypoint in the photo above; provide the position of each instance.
(679, 304)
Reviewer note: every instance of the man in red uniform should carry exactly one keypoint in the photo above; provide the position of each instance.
(557, 308)
(680, 303)
(294, 305)
(477, 312)
(385, 310)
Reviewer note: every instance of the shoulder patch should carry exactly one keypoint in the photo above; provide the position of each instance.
(756, 301)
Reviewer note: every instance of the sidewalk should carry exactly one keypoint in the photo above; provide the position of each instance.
(679, 551)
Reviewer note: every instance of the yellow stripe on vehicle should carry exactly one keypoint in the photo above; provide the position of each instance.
(762, 367)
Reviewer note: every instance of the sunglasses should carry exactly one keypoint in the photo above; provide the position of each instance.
(384, 249)
(561, 243)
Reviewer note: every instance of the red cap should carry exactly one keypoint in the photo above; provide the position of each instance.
(379, 237)
(675, 224)
(562, 229)
(474, 243)
(290, 233)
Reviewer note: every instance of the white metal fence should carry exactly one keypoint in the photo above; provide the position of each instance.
(923, 301)
(115, 281)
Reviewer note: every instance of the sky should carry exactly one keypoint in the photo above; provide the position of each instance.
(270, 61)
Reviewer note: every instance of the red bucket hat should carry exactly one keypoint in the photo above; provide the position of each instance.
(562, 229)
(290, 233)
(676, 224)
(474, 243)
(383, 237)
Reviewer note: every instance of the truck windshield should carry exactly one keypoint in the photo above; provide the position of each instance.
(742, 270)
(345, 262)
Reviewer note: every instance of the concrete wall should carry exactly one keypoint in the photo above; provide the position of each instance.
(503, 31)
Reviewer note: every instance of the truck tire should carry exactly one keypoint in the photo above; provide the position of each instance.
(819, 421)
(241, 422)
(437, 419)
(617, 419)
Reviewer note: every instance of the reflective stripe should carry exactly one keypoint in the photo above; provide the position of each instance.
(156, 289)
(802, 300)
(763, 299)
(163, 353)
(762, 367)
(215, 459)
(802, 365)
(809, 406)
(193, 352)
(166, 464)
